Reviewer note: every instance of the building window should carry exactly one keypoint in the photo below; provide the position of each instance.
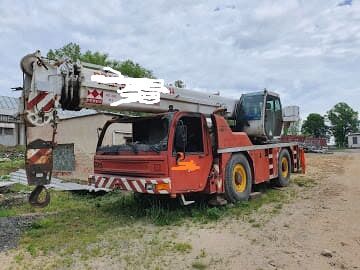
(1, 130)
(64, 158)
(8, 131)
(355, 141)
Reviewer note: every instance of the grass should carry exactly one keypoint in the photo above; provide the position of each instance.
(16, 155)
(10, 166)
(20, 188)
(75, 223)
(304, 182)
(84, 218)
(199, 265)
(182, 247)
(6, 212)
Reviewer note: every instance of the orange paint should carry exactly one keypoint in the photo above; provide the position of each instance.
(189, 166)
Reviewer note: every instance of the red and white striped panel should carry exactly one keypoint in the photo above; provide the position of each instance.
(43, 101)
(38, 156)
(130, 183)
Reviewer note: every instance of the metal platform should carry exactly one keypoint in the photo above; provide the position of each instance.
(57, 184)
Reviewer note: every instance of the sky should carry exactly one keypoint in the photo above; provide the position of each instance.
(307, 51)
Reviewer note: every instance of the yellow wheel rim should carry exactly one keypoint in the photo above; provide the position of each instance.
(239, 178)
(284, 167)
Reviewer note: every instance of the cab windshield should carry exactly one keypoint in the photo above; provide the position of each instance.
(252, 106)
(135, 134)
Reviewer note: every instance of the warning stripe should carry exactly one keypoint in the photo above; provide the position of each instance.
(34, 156)
(36, 100)
(130, 184)
(43, 101)
(49, 106)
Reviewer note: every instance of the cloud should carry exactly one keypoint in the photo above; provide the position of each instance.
(308, 51)
(345, 3)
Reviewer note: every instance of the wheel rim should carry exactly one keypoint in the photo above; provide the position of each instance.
(239, 178)
(284, 167)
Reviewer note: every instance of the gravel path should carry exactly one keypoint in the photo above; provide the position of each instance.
(11, 229)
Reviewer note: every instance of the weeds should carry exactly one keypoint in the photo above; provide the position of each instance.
(199, 265)
(182, 247)
(304, 182)
(73, 223)
(10, 166)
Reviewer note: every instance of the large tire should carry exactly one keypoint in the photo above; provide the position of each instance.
(284, 169)
(238, 179)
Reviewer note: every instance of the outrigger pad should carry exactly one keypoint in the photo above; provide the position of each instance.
(39, 162)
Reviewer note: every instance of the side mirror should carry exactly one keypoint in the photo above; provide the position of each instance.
(180, 137)
(180, 156)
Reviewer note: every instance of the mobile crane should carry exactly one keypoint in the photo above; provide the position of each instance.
(189, 143)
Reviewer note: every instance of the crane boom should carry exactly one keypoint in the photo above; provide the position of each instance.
(50, 84)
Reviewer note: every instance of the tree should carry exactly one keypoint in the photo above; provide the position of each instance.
(71, 50)
(293, 128)
(179, 84)
(314, 125)
(127, 67)
(344, 120)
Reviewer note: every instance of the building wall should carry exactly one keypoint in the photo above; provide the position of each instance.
(354, 143)
(83, 133)
(12, 134)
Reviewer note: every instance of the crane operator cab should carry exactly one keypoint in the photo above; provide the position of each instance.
(259, 114)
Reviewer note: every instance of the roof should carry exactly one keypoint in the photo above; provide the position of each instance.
(9, 105)
(73, 114)
(64, 115)
(354, 134)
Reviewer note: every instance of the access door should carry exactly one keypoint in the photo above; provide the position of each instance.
(191, 158)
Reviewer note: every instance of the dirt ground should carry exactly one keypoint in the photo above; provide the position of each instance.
(322, 217)
(326, 216)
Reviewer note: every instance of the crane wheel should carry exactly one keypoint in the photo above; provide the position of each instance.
(238, 179)
(284, 169)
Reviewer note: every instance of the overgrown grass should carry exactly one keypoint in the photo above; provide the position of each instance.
(199, 265)
(304, 181)
(16, 156)
(10, 166)
(12, 149)
(182, 247)
(6, 212)
(73, 223)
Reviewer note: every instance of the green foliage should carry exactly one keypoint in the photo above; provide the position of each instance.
(182, 247)
(344, 120)
(11, 166)
(179, 84)
(304, 182)
(199, 265)
(4, 212)
(131, 69)
(92, 226)
(97, 58)
(127, 67)
(314, 125)
(71, 50)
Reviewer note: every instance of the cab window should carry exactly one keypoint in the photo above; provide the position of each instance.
(194, 138)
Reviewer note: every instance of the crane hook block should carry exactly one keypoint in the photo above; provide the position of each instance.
(36, 198)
